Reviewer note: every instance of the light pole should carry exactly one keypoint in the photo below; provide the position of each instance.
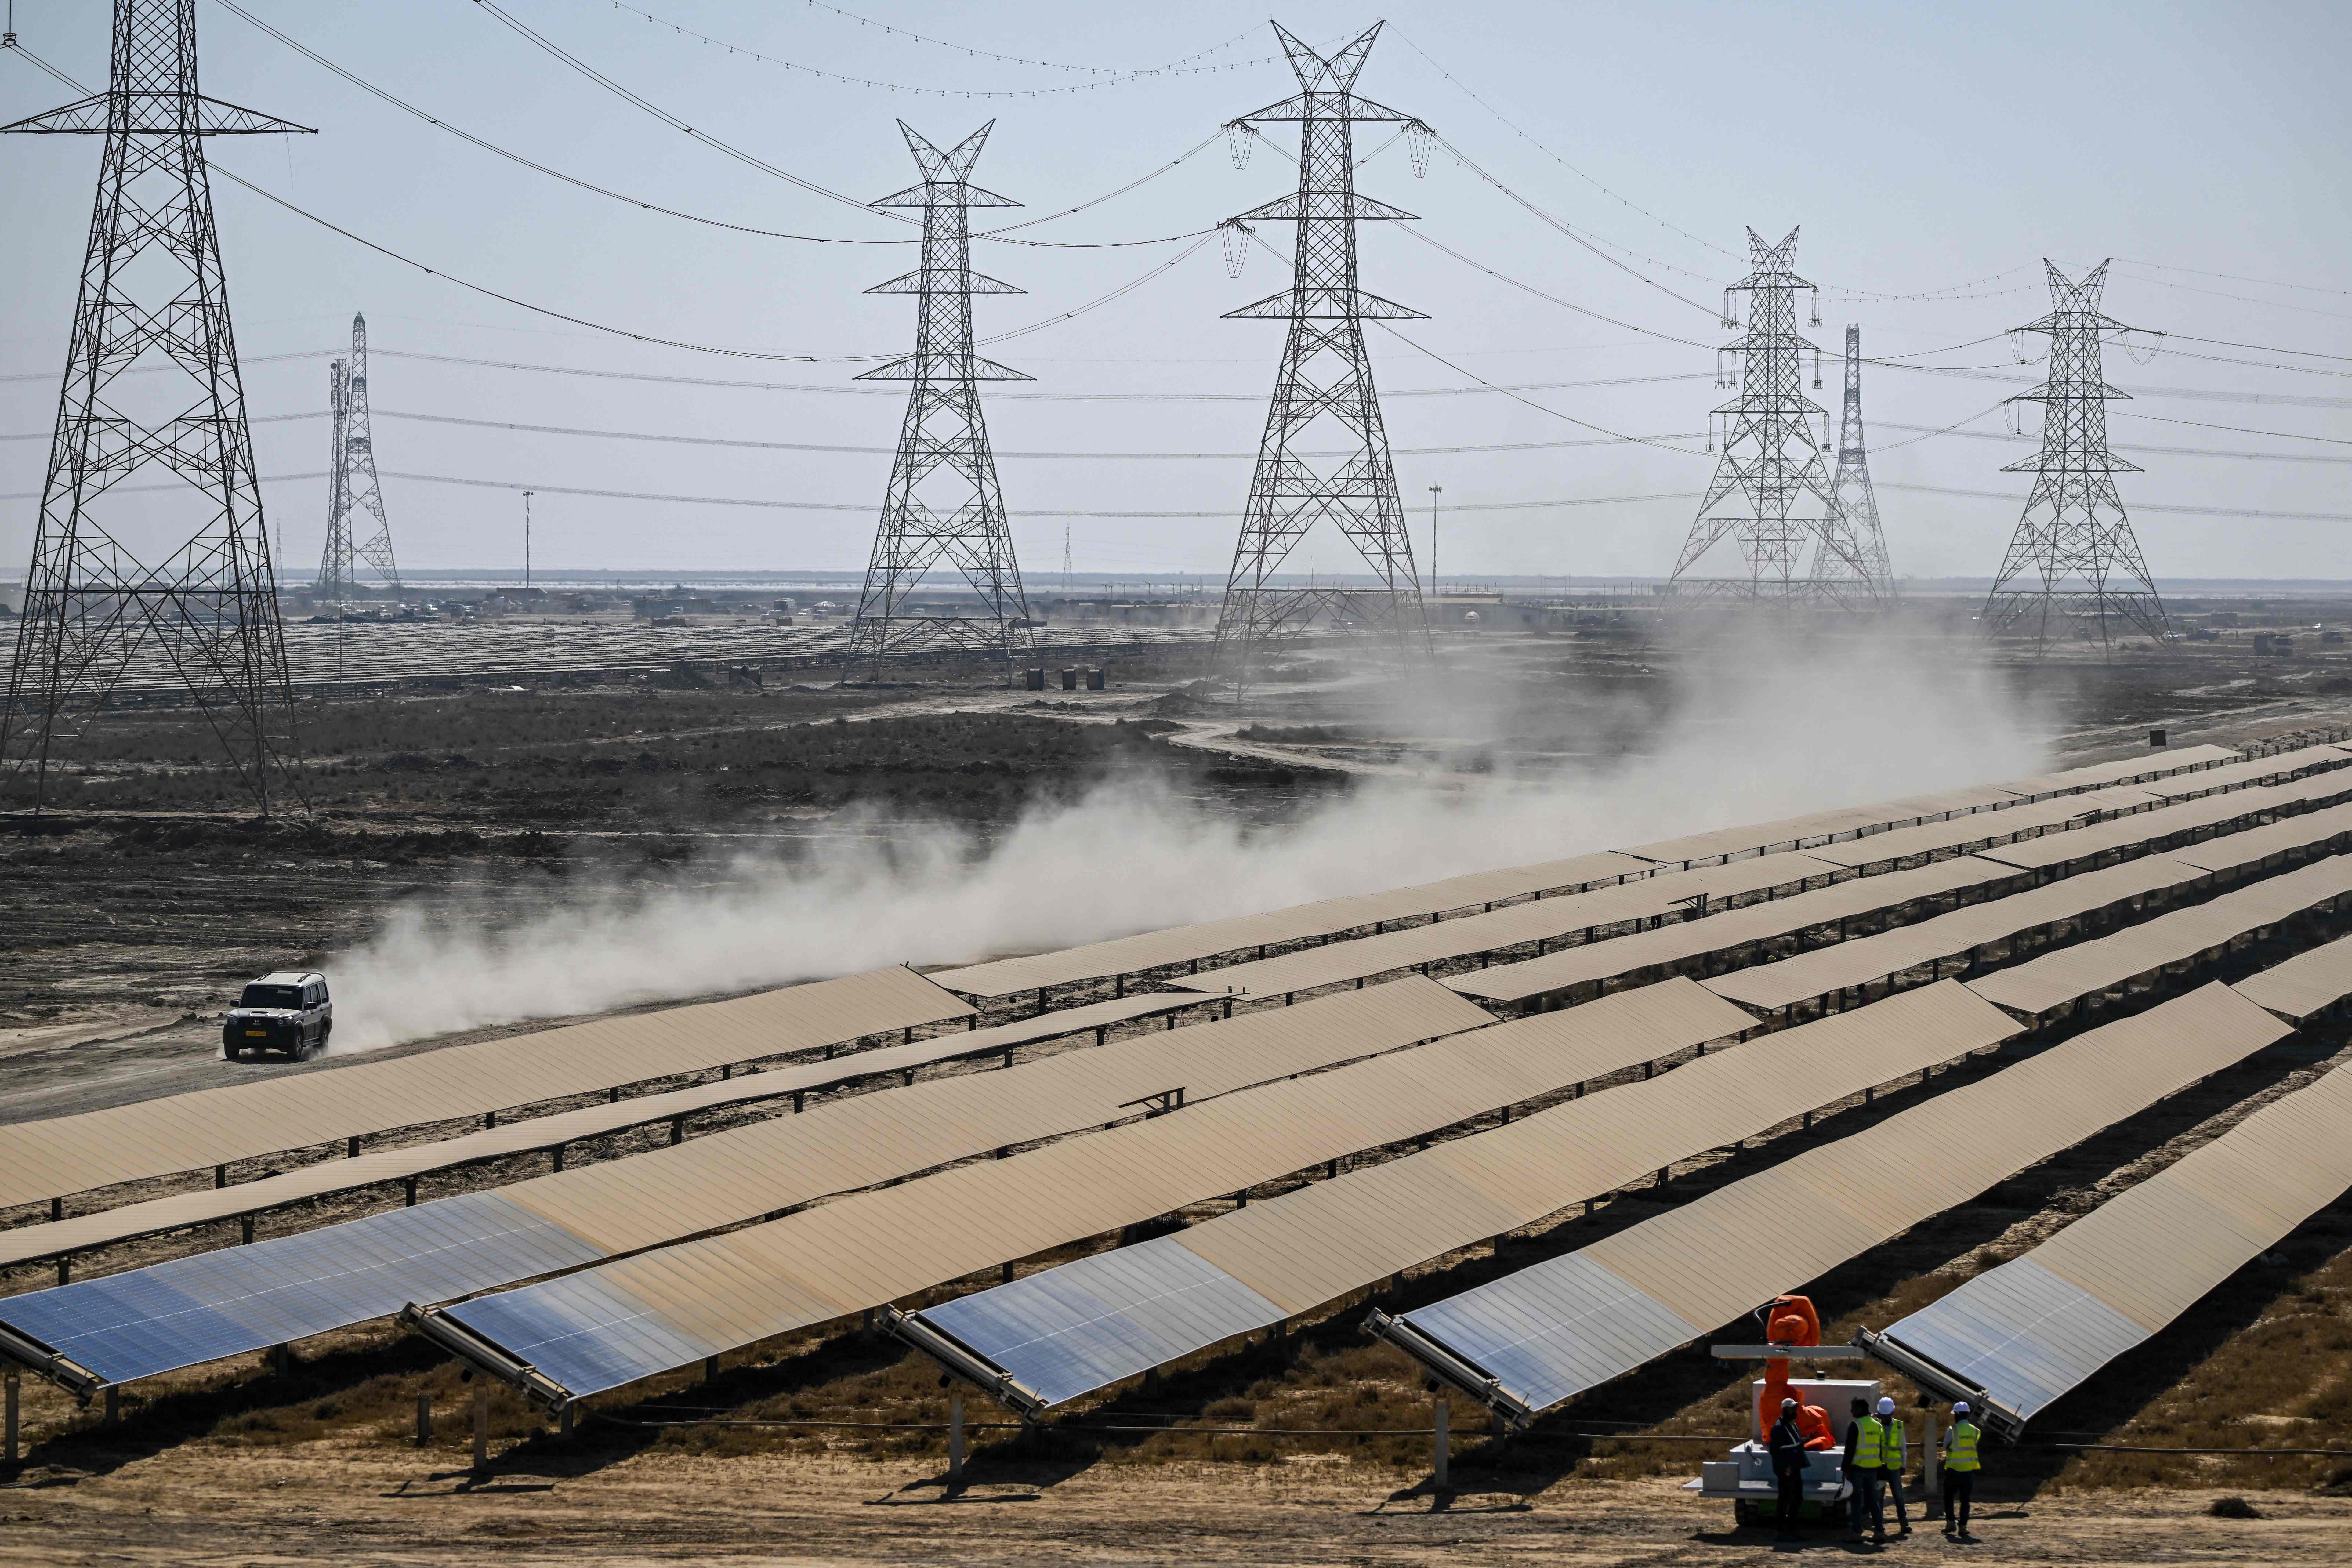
(526, 537)
(1434, 492)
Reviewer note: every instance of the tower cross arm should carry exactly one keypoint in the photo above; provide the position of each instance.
(1331, 106)
(94, 116)
(944, 194)
(1298, 205)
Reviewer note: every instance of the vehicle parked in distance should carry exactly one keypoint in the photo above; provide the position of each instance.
(288, 1012)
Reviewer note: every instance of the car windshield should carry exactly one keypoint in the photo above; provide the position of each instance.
(258, 995)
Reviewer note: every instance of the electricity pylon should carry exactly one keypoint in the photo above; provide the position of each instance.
(944, 502)
(2074, 534)
(1323, 394)
(1771, 491)
(1857, 502)
(351, 478)
(178, 590)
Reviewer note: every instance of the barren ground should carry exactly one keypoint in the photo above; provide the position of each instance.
(126, 918)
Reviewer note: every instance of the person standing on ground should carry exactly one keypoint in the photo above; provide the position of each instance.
(1896, 1453)
(1865, 1441)
(1787, 1446)
(1960, 1467)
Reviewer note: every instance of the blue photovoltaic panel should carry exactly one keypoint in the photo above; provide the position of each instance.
(2021, 1334)
(1554, 1329)
(585, 1333)
(1085, 1324)
(193, 1310)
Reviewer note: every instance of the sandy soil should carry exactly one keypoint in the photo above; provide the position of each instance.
(194, 1507)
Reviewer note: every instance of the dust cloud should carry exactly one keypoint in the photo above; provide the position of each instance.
(1757, 726)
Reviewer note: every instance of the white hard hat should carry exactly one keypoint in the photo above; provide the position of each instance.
(1885, 1407)
(1960, 1407)
(1788, 1405)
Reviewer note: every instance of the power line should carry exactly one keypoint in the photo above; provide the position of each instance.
(647, 106)
(1224, 514)
(1522, 135)
(893, 30)
(2235, 278)
(1107, 78)
(1459, 156)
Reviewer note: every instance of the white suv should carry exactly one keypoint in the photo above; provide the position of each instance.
(287, 1012)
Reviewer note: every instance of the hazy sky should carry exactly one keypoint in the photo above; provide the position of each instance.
(1921, 147)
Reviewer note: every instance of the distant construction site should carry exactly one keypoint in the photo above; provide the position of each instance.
(743, 930)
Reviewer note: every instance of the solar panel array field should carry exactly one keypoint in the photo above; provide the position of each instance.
(1565, 1325)
(1069, 1330)
(610, 1325)
(181, 1312)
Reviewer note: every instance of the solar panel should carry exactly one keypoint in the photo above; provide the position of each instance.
(1571, 1323)
(613, 1324)
(1087, 1323)
(2052, 980)
(346, 1274)
(84, 1232)
(188, 1132)
(1866, 960)
(2019, 1337)
(1562, 973)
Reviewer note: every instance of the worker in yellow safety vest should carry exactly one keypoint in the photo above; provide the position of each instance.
(1960, 1467)
(1865, 1473)
(1894, 1453)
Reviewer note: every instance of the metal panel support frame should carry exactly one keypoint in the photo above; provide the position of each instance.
(486, 1358)
(1452, 1370)
(1997, 1418)
(22, 1349)
(961, 1362)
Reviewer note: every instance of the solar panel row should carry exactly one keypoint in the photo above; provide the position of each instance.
(1722, 939)
(185, 1311)
(2019, 1337)
(180, 1210)
(2169, 827)
(188, 1132)
(1672, 895)
(1069, 1330)
(1539, 1336)
(602, 1327)
(2044, 984)
(1866, 961)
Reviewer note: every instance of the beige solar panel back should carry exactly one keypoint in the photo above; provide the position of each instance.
(1319, 1243)
(1716, 1257)
(880, 1245)
(188, 1132)
(2152, 1251)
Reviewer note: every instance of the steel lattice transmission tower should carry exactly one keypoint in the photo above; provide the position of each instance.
(1323, 394)
(176, 589)
(351, 478)
(1771, 491)
(1857, 502)
(944, 502)
(2074, 534)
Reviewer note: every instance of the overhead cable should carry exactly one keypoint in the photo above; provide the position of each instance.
(1521, 133)
(891, 30)
(2235, 277)
(1186, 67)
(1225, 513)
(656, 111)
(1711, 311)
